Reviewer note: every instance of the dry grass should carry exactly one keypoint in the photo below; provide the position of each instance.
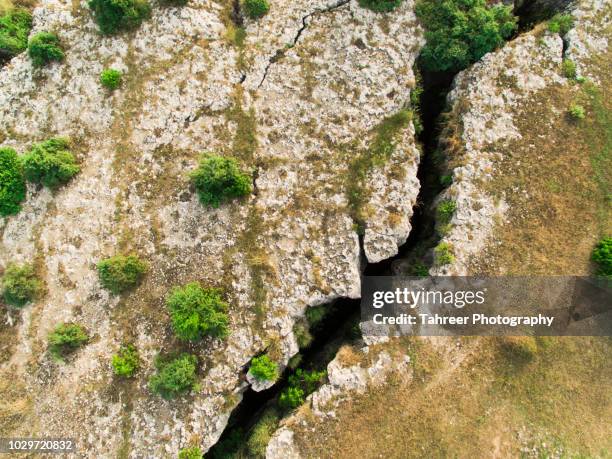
(487, 406)
(557, 181)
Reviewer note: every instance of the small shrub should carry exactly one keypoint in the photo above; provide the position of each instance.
(315, 315)
(577, 112)
(519, 349)
(193, 452)
(12, 182)
(50, 163)
(256, 8)
(264, 369)
(460, 32)
(561, 24)
(111, 78)
(20, 285)
(218, 179)
(174, 376)
(15, 27)
(120, 273)
(261, 433)
(569, 68)
(291, 398)
(198, 312)
(418, 269)
(602, 256)
(67, 338)
(126, 362)
(445, 211)
(446, 180)
(300, 384)
(302, 335)
(43, 48)
(113, 16)
(380, 6)
(443, 254)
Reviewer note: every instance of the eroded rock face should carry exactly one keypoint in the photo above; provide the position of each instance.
(295, 116)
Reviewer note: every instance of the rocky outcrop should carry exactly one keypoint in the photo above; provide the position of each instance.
(484, 103)
(294, 103)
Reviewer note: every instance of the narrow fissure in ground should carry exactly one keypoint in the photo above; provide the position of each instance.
(251, 421)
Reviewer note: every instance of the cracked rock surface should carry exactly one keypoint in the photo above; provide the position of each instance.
(290, 245)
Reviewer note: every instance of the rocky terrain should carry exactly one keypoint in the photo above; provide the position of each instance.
(301, 96)
(314, 101)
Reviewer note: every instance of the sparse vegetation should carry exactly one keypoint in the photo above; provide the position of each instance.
(120, 273)
(111, 78)
(443, 254)
(218, 179)
(577, 112)
(113, 16)
(20, 285)
(263, 368)
(561, 24)
(380, 150)
(256, 8)
(126, 362)
(43, 48)
(291, 398)
(302, 335)
(50, 163)
(67, 338)
(12, 182)
(445, 211)
(380, 6)
(569, 68)
(198, 312)
(15, 26)
(192, 452)
(174, 375)
(602, 256)
(460, 32)
(261, 433)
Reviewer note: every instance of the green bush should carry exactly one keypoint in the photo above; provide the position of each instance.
(12, 182)
(126, 362)
(577, 112)
(291, 398)
(445, 211)
(174, 376)
(264, 369)
(50, 163)
(67, 338)
(111, 78)
(261, 433)
(193, 452)
(20, 285)
(315, 315)
(446, 180)
(561, 23)
(218, 179)
(256, 8)
(443, 254)
(569, 68)
(120, 273)
(198, 312)
(43, 48)
(380, 6)
(602, 255)
(115, 15)
(299, 385)
(15, 27)
(459, 32)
